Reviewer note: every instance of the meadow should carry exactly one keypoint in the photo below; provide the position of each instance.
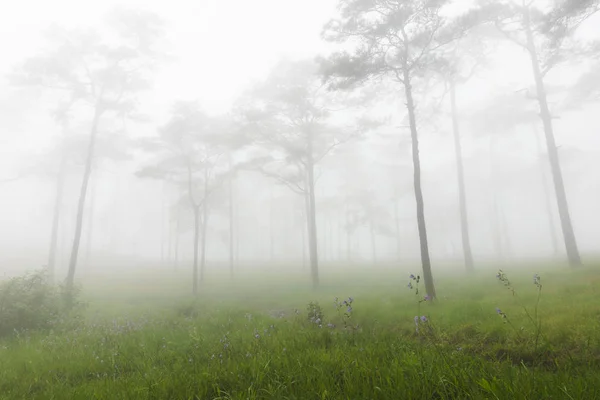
(271, 336)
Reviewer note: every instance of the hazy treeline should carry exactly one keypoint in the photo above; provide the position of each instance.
(428, 131)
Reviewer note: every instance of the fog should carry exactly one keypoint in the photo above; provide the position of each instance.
(231, 58)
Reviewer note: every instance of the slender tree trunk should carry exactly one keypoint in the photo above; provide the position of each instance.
(196, 243)
(312, 218)
(462, 197)
(548, 205)
(561, 196)
(90, 229)
(425, 259)
(82, 195)
(60, 184)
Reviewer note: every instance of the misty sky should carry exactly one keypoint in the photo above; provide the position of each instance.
(219, 48)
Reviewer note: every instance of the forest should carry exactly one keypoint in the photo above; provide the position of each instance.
(337, 199)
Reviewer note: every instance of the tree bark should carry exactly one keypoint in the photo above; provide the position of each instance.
(60, 185)
(82, 195)
(561, 196)
(425, 259)
(462, 197)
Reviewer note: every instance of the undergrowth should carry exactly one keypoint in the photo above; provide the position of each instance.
(368, 346)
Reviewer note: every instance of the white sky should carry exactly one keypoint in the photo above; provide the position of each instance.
(220, 45)
(220, 48)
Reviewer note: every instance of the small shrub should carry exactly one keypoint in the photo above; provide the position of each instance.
(315, 313)
(31, 302)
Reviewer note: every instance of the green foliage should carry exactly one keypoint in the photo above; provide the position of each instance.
(30, 302)
(219, 348)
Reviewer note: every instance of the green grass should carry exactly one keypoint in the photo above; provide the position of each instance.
(144, 338)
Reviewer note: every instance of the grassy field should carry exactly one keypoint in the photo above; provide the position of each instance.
(145, 338)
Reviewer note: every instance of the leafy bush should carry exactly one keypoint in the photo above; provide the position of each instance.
(31, 302)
